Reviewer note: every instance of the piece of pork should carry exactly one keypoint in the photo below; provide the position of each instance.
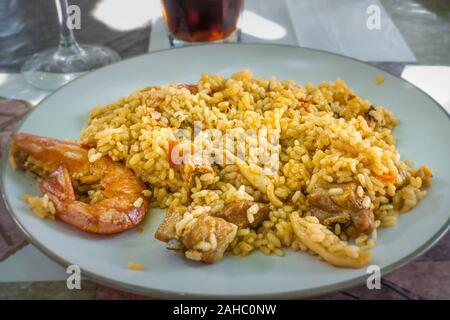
(362, 222)
(329, 219)
(331, 205)
(208, 238)
(245, 213)
(167, 229)
(205, 240)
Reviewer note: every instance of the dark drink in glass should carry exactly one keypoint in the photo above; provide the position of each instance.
(202, 20)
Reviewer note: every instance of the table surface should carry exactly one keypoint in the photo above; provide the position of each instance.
(425, 25)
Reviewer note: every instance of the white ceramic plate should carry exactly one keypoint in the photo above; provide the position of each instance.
(423, 136)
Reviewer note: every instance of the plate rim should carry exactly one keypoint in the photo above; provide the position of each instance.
(300, 293)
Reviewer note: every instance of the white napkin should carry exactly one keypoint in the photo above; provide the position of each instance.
(434, 80)
(341, 27)
(336, 26)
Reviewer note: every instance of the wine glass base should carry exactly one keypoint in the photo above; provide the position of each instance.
(53, 68)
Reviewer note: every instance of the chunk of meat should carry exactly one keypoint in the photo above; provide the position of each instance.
(167, 229)
(208, 238)
(322, 198)
(339, 203)
(329, 219)
(238, 213)
(362, 220)
(205, 239)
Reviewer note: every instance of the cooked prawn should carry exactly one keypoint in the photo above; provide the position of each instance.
(63, 165)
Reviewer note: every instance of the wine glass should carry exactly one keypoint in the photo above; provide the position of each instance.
(55, 67)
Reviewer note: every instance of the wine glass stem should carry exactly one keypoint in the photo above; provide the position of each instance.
(67, 43)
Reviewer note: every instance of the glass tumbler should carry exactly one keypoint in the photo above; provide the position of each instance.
(197, 21)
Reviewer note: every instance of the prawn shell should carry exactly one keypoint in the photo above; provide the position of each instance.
(115, 213)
